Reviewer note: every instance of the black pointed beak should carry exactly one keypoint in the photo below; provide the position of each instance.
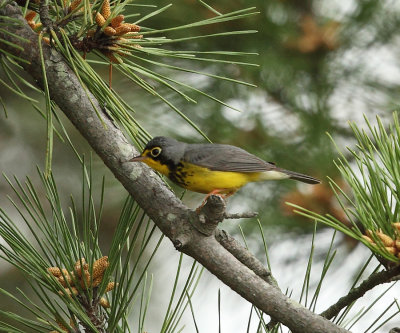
(139, 158)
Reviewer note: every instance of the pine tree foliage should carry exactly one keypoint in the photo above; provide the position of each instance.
(76, 286)
(373, 205)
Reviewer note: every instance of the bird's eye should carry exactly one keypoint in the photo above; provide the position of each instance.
(155, 151)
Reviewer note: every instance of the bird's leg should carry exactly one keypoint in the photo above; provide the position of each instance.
(217, 191)
(229, 193)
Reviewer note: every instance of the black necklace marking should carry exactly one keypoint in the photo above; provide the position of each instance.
(177, 175)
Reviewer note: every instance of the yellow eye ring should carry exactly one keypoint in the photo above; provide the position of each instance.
(155, 151)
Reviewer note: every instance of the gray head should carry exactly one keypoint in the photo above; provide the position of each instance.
(164, 150)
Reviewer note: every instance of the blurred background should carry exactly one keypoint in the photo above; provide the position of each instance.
(320, 64)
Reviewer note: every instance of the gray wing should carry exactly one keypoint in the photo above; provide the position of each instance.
(225, 158)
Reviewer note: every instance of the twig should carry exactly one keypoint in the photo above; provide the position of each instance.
(372, 281)
(67, 19)
(247, 215)
(244, 256)
(248, 259)
(44, 15)
(214, 212)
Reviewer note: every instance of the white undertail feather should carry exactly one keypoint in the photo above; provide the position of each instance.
(279, 173)
(274, 175)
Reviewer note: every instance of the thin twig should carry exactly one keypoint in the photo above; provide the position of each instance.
(244, 256)
(247, 215)
(372, 281)
(248, 259)
(44, 14)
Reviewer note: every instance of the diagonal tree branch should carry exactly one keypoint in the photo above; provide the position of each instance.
(174, 219)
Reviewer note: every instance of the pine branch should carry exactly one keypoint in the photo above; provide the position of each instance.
(159, 203)
(44, 14)
(244, 256)
(372, 281)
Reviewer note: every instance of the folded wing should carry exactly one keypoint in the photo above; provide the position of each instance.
(225, 158)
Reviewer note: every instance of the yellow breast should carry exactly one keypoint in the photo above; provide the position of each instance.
(199, 179)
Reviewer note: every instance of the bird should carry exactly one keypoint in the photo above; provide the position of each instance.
(208, 168)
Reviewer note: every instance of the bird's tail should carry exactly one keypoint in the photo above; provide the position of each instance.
(299, 176)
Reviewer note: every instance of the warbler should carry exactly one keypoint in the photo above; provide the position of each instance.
(211, 168)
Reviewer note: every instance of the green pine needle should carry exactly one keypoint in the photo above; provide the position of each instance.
(49, 112)
(372, 172)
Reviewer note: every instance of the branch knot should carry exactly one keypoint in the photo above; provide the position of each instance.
(206, 218)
